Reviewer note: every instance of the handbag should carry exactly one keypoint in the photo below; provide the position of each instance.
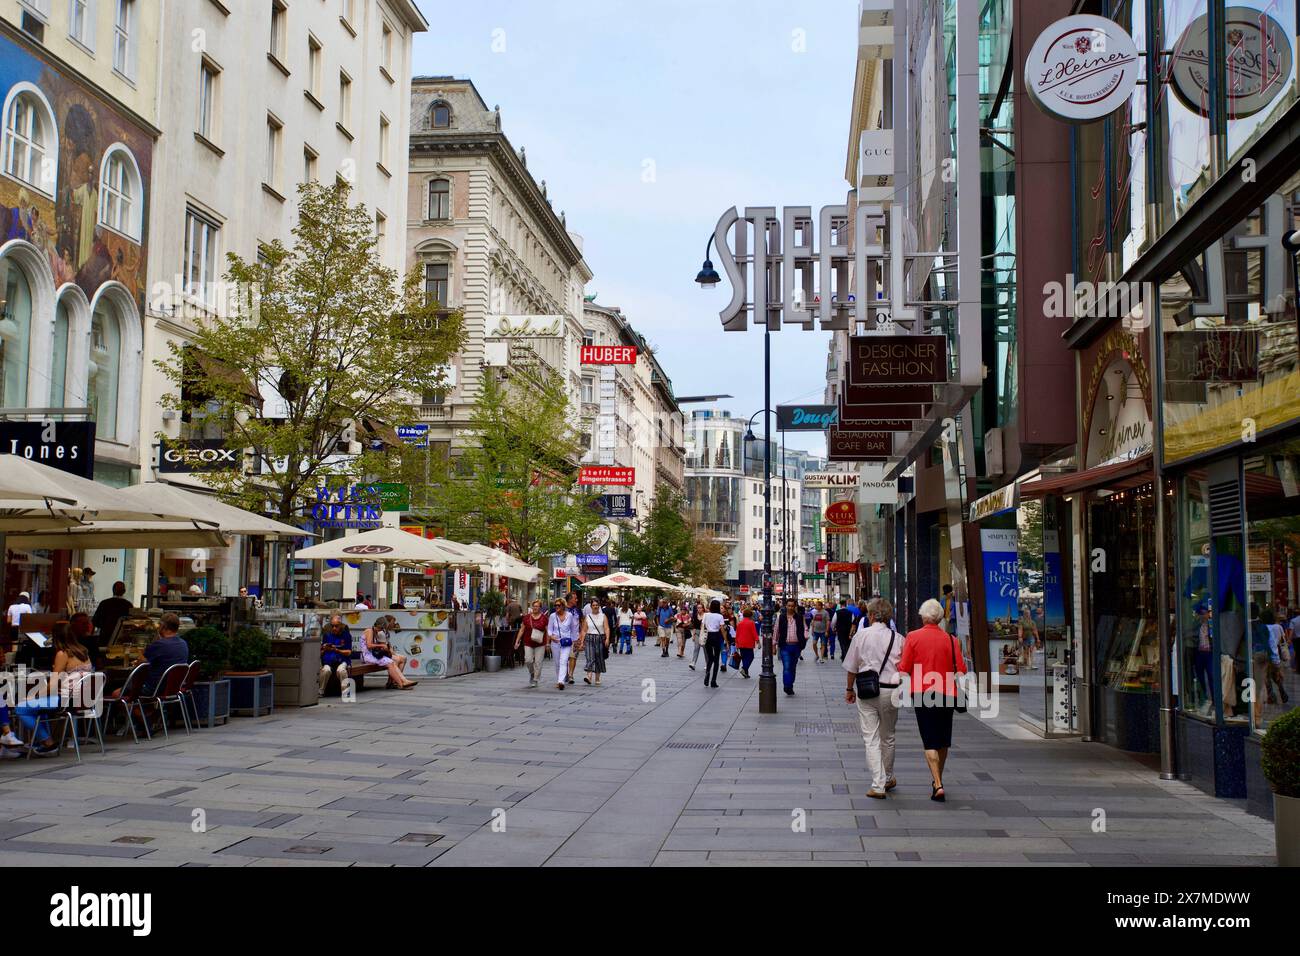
(868, 681)
(960, 707)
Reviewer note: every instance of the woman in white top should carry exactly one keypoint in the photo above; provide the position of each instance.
(876, 647)
(594, 641)
(625, 621)
(711, 625)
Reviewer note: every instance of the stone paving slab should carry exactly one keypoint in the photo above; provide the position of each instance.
(479, 771)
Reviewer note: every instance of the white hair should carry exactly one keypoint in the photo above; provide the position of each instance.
(931, 612)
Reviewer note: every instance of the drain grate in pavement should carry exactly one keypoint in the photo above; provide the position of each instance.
(134, 839)
(688, 745)
(307, 849)
(846, 728)
(423, 838)
(814, 728)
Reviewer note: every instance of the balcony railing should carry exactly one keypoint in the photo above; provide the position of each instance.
(434, 413)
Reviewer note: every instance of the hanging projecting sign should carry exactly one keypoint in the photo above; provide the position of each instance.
(417, 436)
(830, 479)
(608, 355)
(67, 446)
(1082, 68)
(805, 418)
(186, 456)
(1257, 64)
(886, 394)
(841, 518)
(858, 446)
(616, 506)
(606, 475)
(897, 359)
(856, 417)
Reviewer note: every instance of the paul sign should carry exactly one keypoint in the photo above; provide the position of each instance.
(1082, 68)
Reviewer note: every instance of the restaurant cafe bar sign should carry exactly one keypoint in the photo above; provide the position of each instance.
(897, 360)
(858, 446)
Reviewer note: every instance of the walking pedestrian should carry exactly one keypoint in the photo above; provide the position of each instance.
(819, 624)
(664, 619)
(842, 627)
(594, 642)
(683, 628)
(711, 625)
(931, 663)
(746, 640)
(626, 620)
(697, 635)
(728, 634)
(790, 638)
(562, 634)
(639, 623)
(532, 637)
(872, 666)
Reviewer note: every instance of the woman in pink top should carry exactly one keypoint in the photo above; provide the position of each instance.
(931, 660)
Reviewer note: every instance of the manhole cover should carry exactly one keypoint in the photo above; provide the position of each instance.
(307, 849)
(814, 728)
(688, 745)
(133, 839)
(423, 838)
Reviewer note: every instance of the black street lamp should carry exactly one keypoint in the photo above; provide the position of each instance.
(707, 277)
(767, 674)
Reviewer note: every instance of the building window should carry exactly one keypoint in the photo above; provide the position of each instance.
(588, 391)
(345, 99)
(200, 255)
(440, 199)
(588, 337)
(104, 369)
(208, 73)
(349, 13)
(275, 44)
(309, 158)
(381, 229)
(59, 359)
(383, 139)
(29, 142)
(123, 23)
(437, 275)
(120, 193)
(15, 334)
(314, 58)
(81, 23)
(274, 129)
(386, 49)
(440, 115)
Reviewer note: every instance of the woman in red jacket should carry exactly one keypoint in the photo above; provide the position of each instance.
(746, 640)
(931, 660)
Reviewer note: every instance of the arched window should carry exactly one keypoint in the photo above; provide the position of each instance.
(15, 334)
(121, 198)
(59, 355)
(439, 199)
(30, 154)
(104, 369)
(440, 115)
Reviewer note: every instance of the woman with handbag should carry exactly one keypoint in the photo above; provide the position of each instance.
(594, 641)
(561, 635)
(379, 650)
(931, 661)
(872, 665)
(532, 637)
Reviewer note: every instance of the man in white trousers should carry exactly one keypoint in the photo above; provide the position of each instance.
(562, 635)
(876, 647)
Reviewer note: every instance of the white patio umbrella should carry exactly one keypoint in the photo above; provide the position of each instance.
(621, 579)
(227, 518)
(123, 534)
(36, 497)
(390, 546)
(496, 561)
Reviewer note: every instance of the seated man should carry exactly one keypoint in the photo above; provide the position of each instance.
(169, 649)
(335, 652)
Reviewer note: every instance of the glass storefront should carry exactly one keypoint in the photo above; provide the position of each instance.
(1047, 686)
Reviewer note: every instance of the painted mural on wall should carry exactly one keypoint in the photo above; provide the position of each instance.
(66, 227)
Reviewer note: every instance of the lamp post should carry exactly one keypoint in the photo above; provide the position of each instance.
(767, 673)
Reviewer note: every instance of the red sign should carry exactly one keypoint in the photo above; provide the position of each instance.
(744, 589)
(842, 567)
(821, 565)
(608, 355)
(606, 475)
(842, 514)
(561, 573)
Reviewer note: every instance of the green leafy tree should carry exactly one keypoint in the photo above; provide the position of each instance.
(662, 547)
(707, 564)
(515, 483)
(346, 341)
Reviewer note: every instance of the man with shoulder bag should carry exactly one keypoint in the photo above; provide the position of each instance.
(871, 663)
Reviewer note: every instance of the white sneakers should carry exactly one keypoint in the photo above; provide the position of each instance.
(11, 740)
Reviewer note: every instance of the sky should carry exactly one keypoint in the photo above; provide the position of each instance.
(647, 121)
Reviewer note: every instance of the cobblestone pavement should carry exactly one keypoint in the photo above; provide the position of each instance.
(599, 776)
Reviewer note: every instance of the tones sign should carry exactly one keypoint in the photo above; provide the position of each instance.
(1082, 68)
(608, 355)
(606, 475)
(898, 359)
(805, 418)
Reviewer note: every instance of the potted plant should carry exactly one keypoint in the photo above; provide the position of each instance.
(211, 648)
(492, 604)
(252, 686)
(1280, 761)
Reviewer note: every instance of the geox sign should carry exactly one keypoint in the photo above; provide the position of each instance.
(186, 456)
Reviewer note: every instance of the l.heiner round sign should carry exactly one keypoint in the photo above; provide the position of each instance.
(1082, 68)
(1257, 64)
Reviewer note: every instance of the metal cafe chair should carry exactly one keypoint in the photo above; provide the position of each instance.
(167, 692)
(187, 690)
(80, 690)
(130, 699)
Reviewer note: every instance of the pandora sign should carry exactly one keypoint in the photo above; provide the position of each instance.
(1082, 68)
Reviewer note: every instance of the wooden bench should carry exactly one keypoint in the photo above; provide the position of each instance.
(357, 672)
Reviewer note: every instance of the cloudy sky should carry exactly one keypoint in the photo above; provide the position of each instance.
(647, 121)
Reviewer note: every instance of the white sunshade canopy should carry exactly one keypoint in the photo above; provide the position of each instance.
(390, 546)
(208, 508)
(621, 579)
(36, 497)
(123, 534)
(496, 561)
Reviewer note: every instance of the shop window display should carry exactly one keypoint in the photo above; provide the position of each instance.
(1272, 485)
(1194, 679)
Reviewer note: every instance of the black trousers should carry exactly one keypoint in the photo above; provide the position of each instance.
(712, 655)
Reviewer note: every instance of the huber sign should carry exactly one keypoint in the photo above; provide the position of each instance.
(898, 359)
(1082, 68)
(608, 355)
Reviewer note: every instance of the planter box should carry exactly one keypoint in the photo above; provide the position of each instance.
(212, 700)
(1286, 829)
(251, 695)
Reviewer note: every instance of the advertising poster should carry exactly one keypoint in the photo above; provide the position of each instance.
(1001, 593)
(1053, 592)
